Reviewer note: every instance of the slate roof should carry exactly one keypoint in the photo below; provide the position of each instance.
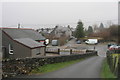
(16, 33)
(61, 29)
(29, 42)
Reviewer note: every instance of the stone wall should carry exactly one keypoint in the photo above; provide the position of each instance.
(14, 67)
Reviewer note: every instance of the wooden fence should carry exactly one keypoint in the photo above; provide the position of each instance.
(65, 51)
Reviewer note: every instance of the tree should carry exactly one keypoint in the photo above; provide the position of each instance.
(111, 33)
(101, 26)
(95, 26)
(79, 32)
(109, 23)
(42, 29)
(47, 29)
(90, 30)
(85, 31)
(114, 30)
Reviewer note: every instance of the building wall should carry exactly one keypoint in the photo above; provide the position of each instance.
(5, 45)
(68, 33)
(19, 51)
(35, 51)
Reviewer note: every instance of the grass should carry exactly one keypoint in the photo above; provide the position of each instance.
(116, 55)
(106, 73)
(53, 67)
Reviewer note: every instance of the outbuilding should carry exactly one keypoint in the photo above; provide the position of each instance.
(22, 43)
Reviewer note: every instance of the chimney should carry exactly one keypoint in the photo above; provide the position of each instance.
(18, 25)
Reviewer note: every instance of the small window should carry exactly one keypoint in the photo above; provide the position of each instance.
(10, 49)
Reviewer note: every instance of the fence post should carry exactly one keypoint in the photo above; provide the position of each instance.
(58, 51)
(114, 65)
(45, 51)
(111, 63)
(94, 47)
(118, 67)
(70, 51)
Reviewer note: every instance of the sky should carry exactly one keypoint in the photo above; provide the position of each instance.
(119, 13)
(0, 14)
(49, 14)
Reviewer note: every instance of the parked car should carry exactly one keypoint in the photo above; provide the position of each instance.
(114, 47)
(54, 42)
(78, 42)
(110, 44)
(91, 41)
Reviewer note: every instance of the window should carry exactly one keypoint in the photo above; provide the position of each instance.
(38, 51)
(10, 49)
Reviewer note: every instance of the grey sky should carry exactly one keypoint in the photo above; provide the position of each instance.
(119, 14)
(49, 14)
(0, 14)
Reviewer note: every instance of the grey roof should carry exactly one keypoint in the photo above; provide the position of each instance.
(23, 33)
(29, 42)
(61, 28)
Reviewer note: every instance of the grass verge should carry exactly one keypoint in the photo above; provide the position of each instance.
(52, 67)
(106, 73)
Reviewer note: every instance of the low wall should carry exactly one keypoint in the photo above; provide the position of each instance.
(113, 60)
(14, 67)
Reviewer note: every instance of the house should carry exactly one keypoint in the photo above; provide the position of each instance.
(22, 43)
(45, 31)
(62, 31)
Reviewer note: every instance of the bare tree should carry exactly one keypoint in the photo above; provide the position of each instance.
(109, 23)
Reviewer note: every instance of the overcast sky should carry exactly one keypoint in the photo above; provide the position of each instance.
(0, 14)
(48, 14)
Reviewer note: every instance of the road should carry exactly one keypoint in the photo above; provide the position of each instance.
(88, 68)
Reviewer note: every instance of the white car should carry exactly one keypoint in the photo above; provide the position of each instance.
(91, 41)
(114, 47)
